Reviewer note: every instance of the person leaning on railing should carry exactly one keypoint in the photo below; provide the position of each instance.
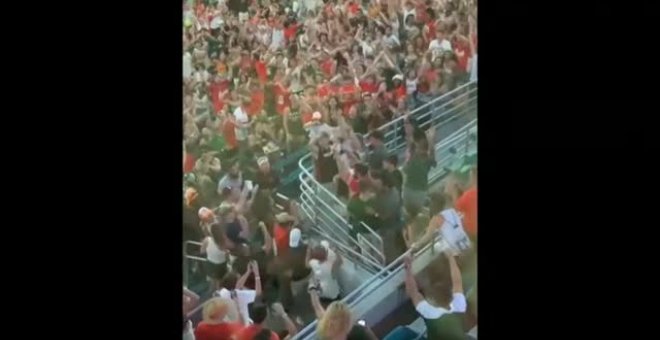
(446, 223)
(387, 206)
(442, 307)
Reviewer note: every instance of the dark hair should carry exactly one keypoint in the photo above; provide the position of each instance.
(392, 159)
(365, 186)
(229, 280)
(264, 334)
(361, 169)
(380, 175)
(258, 312)
(226, 192)
(438, 202)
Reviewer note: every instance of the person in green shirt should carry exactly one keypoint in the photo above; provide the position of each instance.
(360, 209)
(416, 183)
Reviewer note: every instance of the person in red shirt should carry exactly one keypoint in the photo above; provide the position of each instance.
(281, 232)
(260, 69)
(218, 89)
(228, 131)
(399, 91)
(282, 97)
(369, 84)
(467, 205)
(214, 326)
(257, 99)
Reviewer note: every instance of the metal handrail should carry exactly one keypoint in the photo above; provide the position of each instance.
(391, 270)
(353, 298)
(455, 96)
(425, 105)
(187, 257)
(304, 185)
(344, 234)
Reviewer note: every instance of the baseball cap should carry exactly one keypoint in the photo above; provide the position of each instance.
(316, 115)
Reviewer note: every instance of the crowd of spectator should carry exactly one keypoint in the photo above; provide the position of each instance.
(263, 79)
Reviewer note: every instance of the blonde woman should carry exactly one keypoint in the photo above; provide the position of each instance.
(336, 322)
(220, 320)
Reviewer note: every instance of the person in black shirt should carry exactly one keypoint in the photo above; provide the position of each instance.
(378, 151)
(266, 177)
(392, 171)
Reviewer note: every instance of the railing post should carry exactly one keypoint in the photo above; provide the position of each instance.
(185, 267)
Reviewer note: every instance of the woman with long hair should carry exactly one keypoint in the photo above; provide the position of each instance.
(214, 247)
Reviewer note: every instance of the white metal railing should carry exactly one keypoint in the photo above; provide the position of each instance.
(324, 210)
(328, 212)
(457, 144)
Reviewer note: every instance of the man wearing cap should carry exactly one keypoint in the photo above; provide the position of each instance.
(266, 177)
(281, 232)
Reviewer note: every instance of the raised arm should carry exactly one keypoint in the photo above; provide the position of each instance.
(455, 273)
(316, 303)
(240, 284)
(431, 231)
(411, 285)
(257, 279)
(288, 324)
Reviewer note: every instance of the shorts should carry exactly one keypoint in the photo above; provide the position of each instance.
(215, 271)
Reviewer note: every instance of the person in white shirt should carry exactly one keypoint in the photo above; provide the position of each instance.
(440, 44)
(234, 286)
(277, 38)
(187, 66)
(437, 301)
(325, 264)
(216, 256)
(242, 123)
(445, 223)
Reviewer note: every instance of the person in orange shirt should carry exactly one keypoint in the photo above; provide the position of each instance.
(467, 205)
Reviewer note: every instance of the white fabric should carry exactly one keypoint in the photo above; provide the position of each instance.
(443, 45)
(452, 230)
(411, 86)
(392, 41)
(213, 253)
(473, 68)
(244, 297)
(217, 22)
(427, 311)
(241, 117)
(323, 273)
(188, 334)
(294, 237)
(277, 40)
(187, 65)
